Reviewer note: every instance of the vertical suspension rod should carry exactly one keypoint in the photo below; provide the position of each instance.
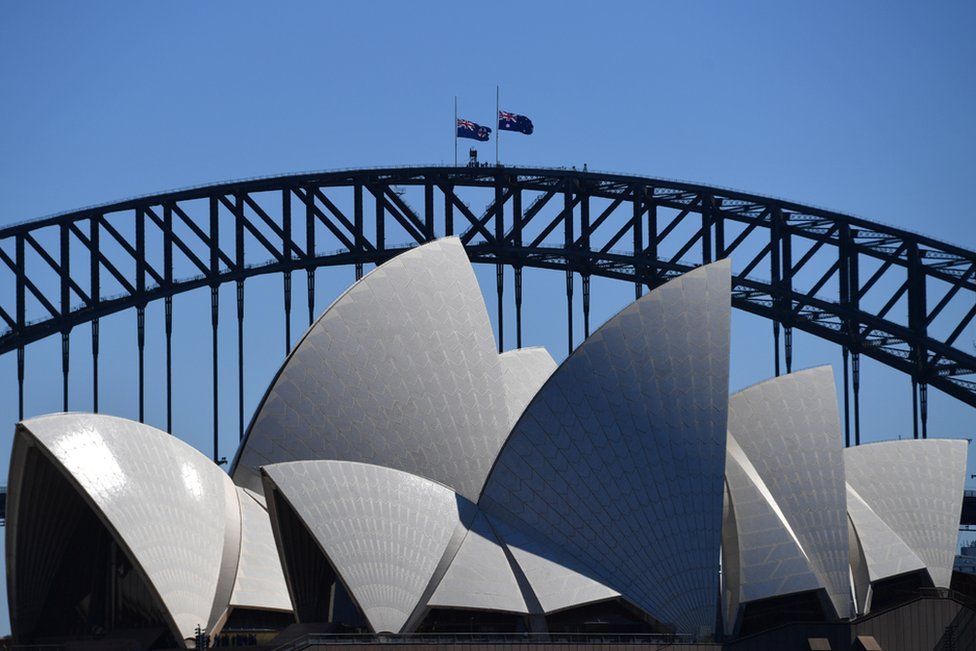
(568, 242)
(65, 310)
(499, 268)
(214, 311)
(240, 359)
(517, 240)
(20, 383)
(214, 317)
(168, 332)
(358, 225)
(499, 289)
(96, 292)
(65, 345)
(923, 406)
(168, 310)
(585, 237)
(856, 385)
(141, 308)
(240, 261)
(21, 321)
(94, 347)
(847, 410)
(141, 346)
(914, 408)
(638, 232)
(518, 306)
(788, 348)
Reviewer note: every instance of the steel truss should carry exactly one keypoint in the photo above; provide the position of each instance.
(635, 229)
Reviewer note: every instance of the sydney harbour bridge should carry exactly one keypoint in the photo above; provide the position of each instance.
(898, 297)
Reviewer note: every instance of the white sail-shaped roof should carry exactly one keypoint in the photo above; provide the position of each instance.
(401, 371)
(877, 552)
(480, 576)
(384, 531)
(174, 513)
(260, 582)
(524, 371)
(619, 458)
(557, 580)
(766, 559)
(915, 487)
(789, 429)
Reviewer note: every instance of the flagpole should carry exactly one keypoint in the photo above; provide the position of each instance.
(497, 108)
(455, 131)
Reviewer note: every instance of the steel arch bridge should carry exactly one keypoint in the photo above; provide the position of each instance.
(898, 297)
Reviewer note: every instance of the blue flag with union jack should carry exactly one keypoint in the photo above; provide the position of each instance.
(469, 129)
(514, 122)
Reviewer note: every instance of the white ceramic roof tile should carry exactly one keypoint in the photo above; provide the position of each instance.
(384, 531)
(480, 576)
(558, 580)
(915, 487)
(401, 371)
(769, 560)
(260, 581)
(155, 493)
(524, 371)
(620, 456)
(789, 429)
(877, 552)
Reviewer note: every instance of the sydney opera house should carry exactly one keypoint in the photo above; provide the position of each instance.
(400, 476)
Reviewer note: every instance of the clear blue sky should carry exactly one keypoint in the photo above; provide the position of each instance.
(866, 108)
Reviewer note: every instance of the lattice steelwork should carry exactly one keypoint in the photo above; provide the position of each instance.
(901, 298)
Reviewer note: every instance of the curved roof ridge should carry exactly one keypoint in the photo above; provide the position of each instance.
(915, 487)
(620, 420)
(776, 423)
(121, 469)
(400, 371)
(384, 531)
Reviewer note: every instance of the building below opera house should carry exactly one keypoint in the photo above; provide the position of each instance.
(401, 477)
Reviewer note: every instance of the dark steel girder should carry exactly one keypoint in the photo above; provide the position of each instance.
(787, 236)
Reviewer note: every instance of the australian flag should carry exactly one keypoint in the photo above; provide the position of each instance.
(514, 122)
(469, 129)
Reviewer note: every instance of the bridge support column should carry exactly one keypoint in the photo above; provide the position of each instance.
(569, 312)
(788, 348)
(776, 347)
(310, 284)
(287, 281)
(94, 336)
(20, 383)
(914, 408)
(847, 409)
(518, 306)
(168, 329)
(856, 385)
(141, 345)
(240, 359)
(65, 358)
(500, 289)
(214, 311)
(586, 306)
(923, 400)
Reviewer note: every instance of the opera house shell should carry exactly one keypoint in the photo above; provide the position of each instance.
(401, 476)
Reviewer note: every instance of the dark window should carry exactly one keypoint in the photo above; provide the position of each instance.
(73, 579)
(319, 596)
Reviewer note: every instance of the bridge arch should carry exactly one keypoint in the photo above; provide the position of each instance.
(898, 297)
